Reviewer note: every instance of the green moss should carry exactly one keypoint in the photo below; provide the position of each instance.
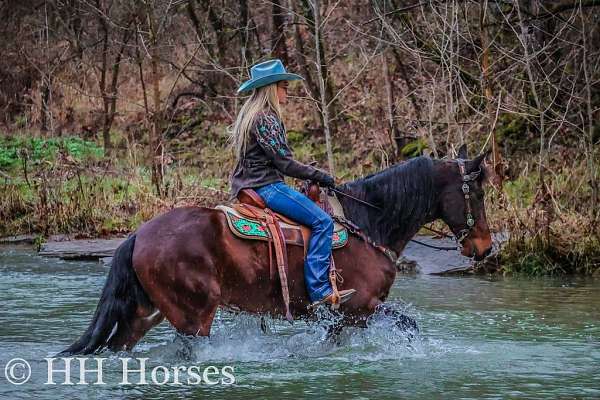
(534, 256)
(295, 138)
(515, 133)
(414, 148)
(14, 149)
(521, 190)
(596, 134)
(214, 183)
(21, 121)
(511, 126)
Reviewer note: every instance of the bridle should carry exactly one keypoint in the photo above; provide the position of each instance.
(466, 189)
(470, 220)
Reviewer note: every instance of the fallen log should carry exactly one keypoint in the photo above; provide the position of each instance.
(18, 239)
(89, 249)
(430, 261)
(416, 258)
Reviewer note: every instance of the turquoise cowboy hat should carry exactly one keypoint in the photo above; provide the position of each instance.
(265, 73)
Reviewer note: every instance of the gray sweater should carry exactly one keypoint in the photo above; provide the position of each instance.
(268, 158)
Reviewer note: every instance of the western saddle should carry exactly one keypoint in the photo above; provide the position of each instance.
(253, 207)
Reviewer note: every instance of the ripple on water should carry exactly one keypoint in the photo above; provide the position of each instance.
(480, 338)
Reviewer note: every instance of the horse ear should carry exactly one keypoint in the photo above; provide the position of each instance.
(487, 170)
(475, 164)
(486, 154)
(462, 152)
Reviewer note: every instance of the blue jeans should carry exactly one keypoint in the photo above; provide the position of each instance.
(284, 200)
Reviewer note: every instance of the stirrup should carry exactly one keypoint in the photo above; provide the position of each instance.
(345, 295)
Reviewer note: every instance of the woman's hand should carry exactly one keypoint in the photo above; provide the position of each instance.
(328, 181)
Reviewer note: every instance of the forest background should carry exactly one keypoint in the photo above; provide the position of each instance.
(114, 111)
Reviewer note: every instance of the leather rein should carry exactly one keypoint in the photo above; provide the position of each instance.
(462, 234)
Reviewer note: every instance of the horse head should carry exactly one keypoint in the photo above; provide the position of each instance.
(461, 205)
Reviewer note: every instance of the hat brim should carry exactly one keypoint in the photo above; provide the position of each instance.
(267, 80)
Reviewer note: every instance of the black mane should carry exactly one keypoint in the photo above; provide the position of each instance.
(405, 193)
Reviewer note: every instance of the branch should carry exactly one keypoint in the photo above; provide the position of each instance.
(398, 11)
(569, 5)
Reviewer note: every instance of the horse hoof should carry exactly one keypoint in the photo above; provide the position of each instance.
(185, 348)
(402, 321)
(407, 323)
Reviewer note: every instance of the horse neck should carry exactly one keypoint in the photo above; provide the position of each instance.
(404, 192)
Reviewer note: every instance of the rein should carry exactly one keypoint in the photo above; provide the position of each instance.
(432, 246)
(352, 228)
(462, 234)
(388, 252)
(366, 203)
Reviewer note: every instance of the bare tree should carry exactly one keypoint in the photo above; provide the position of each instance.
(321, 76)
(151, 25)
(114, 45)
(278, 39)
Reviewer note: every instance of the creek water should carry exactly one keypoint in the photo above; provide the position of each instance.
(481, 337)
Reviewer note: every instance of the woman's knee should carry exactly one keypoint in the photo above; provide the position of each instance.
(323, 222)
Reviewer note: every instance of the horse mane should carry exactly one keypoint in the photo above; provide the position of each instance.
(404, 192)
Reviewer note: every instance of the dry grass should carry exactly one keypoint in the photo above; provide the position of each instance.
(552, 230)
(92, 199)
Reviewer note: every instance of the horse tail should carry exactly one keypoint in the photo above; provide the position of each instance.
(121, 296)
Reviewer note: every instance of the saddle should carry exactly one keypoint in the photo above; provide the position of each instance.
(251, 219)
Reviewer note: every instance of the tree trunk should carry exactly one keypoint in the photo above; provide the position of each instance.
(487, 88)
(301, 54)
(533, 79)
(46, 116)
(278, 42)
(218, 26)
(156, 120)
(590, 156)
(322, 67)
(390, 105)
(245, 37)
(405, 77)
(316, 5)
(102, 83)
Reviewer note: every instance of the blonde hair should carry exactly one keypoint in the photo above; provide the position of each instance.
(262, 99)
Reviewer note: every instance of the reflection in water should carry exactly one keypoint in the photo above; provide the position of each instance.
(480, 338)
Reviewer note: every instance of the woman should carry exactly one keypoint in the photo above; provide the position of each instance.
(264, 158)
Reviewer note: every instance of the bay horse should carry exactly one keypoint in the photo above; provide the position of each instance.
(185, 264)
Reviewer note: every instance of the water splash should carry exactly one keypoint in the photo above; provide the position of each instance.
(241, 338)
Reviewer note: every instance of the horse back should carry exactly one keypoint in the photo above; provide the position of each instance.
(191, 252)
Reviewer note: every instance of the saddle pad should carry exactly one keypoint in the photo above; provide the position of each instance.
(248, 228)
(334, 203)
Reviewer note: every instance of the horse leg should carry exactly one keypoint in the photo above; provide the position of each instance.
(402, 321)
(143, 320)
(186, 350)
(190, 305)
(337, 322)
(263, 325)
(191, 321)
(334, 330)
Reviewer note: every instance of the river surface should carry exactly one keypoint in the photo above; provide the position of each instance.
(481, 338)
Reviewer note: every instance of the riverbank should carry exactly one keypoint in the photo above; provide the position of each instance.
(67, 186)
(415, 258)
